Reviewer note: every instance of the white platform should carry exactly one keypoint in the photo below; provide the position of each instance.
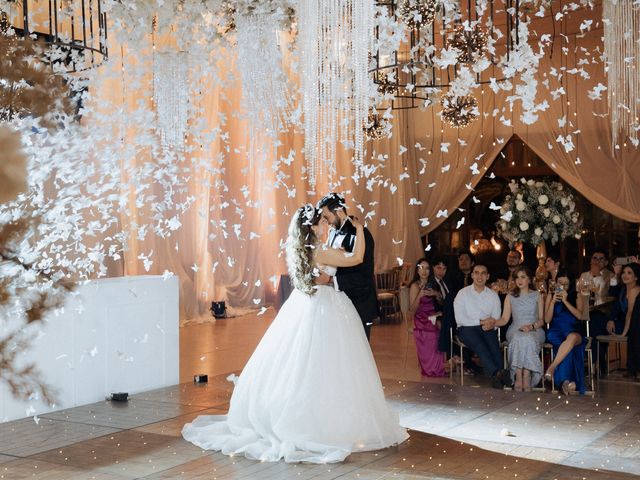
(117, 334)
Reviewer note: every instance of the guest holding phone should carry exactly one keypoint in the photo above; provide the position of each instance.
(565, 310)
(422, 307)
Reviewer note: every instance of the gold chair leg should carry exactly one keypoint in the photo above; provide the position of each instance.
(461, 366)
(590, 370)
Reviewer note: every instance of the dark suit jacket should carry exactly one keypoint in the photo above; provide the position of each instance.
(358, 282)
(448, 318)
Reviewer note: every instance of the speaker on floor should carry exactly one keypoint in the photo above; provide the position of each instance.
(219, 309)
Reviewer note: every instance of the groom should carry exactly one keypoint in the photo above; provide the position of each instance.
(357, 282)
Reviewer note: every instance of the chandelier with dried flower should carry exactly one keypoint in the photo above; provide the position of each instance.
(469, 42)
(420, 44)
(416, 12)
(73, 32)
(376, 126)
(459, 111)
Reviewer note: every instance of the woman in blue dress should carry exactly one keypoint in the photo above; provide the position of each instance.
(564, 310)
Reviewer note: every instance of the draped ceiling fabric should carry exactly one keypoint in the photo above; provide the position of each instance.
(400, 199)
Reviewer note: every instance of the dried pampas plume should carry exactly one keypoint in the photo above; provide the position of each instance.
(38, 293)
(13, 165)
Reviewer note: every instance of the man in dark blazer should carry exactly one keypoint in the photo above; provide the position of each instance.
(357, 282)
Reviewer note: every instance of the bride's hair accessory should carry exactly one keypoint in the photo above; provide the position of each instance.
(300, 243)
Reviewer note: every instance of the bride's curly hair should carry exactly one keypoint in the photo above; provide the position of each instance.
(300, 243)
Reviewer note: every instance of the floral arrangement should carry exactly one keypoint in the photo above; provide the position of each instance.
(537, 211)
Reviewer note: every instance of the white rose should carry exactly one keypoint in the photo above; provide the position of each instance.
(530, 183)
(523, 180)
(556, 219)
(546, 212)
(520, 206)
(519, 196)
(559, 187)
(578, 235)
(543, 199)
(564, 202)
(524, 226)
(539, 184)
(538, 231)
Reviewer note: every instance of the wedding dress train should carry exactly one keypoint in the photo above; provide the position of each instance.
(309, 393)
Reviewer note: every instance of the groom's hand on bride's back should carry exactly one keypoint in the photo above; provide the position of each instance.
(322, 279)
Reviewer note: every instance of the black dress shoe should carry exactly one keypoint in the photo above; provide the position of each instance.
(505, 377)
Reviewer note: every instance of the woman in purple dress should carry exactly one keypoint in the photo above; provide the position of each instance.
(422, 307)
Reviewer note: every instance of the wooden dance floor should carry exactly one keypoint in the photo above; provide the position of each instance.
(456, 432)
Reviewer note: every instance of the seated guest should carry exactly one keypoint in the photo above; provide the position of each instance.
(477, 309)
(600, 278)
(565, 312)
(615, 282)
(633, 338)
(445, 301)
(598, 275)
(621, 312)
(462, 278)
(552, 266)
(441, 285)
(422, 307)
(448, 290)
(514, 260)
(525, 334)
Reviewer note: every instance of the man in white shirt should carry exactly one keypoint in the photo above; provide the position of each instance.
(477, 308)
(599, 277)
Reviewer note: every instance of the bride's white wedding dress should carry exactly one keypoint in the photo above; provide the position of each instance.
(309, 393)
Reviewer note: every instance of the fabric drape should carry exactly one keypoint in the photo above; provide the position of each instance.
(229, 246)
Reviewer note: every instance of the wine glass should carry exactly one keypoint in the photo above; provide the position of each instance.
(584, 286)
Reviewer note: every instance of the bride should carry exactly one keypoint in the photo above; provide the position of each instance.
(311, 391)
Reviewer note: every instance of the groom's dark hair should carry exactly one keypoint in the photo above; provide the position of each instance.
(333, 202)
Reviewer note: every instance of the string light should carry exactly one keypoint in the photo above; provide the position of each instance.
(418, 12)
(376, 126)
(459, 111)
(469, 43)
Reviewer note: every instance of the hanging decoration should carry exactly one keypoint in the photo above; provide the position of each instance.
(469, 42)
(335, 39)
(73, 33)
(416, 12)
(622, 51)
(266, 95)
(459, 111)
(376, 126)
(420, 45)
(171, 97)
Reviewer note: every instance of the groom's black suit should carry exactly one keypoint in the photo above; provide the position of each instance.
(358, 282)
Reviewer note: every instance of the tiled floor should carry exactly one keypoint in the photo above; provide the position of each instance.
(457, 432)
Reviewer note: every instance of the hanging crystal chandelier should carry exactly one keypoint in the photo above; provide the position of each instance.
(622, 50)
(421, 45)
(74, 32)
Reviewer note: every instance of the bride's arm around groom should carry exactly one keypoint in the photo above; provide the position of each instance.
(334, 257)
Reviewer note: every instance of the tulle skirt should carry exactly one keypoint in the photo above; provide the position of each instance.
(309, 393)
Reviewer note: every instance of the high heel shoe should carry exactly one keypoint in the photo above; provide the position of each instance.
(568, 387)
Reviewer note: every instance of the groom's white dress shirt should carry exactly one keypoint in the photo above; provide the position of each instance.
(336, 237)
